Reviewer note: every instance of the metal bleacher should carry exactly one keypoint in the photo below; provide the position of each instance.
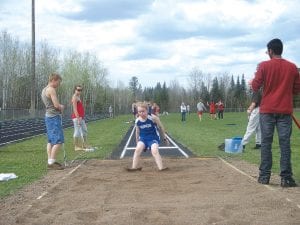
(18, 130)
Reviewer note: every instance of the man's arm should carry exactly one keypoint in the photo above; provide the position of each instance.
(258, 79)
(296, 88)
(53, 96)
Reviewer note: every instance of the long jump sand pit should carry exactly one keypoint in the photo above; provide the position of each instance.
(194, 191)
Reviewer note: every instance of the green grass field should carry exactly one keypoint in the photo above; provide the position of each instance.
(28, 159)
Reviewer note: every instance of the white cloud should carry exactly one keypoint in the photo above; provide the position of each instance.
(160, 40)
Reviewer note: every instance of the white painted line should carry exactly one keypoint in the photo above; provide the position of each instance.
(42, 195)
(64, 177)
(252, 178)
(232, 166)
(127, 143)
(179, 149)
(245, 174)
(163, 147)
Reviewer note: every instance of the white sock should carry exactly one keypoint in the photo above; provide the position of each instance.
(51, 161)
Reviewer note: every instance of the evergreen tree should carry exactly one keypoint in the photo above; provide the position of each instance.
(134, 87)
(164, 104)
(215, 90)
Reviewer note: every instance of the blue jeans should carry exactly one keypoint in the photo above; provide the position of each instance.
(283, 123)
(183, 116)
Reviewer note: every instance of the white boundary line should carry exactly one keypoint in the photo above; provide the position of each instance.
(163, 147)
(127, 143)
(57, 183)
(252, 178)
(179, 149)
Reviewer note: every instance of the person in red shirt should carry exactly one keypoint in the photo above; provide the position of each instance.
(279, 80)
(155, 109)
(212, 110)
(80, 128)
(220, 107)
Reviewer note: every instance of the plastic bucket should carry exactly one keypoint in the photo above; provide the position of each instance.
(233, 145)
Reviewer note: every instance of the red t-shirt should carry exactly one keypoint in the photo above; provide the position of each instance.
(212, 108)
(220, 106)
(279, 79)
(80, 110)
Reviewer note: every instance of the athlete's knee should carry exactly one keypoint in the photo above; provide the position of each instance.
(154, 150)
(139, 147)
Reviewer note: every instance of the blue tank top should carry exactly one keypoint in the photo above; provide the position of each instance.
(148, 129)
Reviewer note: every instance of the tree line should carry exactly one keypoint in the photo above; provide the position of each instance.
(233, 92)
(86, 69)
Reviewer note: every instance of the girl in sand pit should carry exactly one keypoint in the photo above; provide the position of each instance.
(147, 137)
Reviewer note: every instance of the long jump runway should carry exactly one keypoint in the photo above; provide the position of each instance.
(128, 144)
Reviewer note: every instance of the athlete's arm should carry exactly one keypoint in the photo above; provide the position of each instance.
(137, 134)
(160, 125)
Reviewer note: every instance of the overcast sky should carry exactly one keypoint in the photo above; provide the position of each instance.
(161, 40)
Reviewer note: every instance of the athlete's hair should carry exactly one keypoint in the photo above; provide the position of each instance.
(142, 105)
(54, 76)
(276, 46)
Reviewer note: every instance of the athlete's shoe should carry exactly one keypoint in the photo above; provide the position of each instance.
(263, 180)
(164, 169)
(257, 146)
(134, 169)
(55, 166)
(288, 182)
(77, 148)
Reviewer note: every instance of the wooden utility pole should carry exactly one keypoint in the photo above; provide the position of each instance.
(33, 87)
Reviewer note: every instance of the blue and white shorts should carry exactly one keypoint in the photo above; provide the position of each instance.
(149, 143)
(54, 129)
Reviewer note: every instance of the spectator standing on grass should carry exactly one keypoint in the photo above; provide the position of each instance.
(212, 110)
(183, 112)
(279, 79)
(253, 126)
(80, 128)
(188, 109)
(147, 137)
(110, 111)
(134, 110)
(220, 108)
(53, 120)
(200, 108)
(155, 109)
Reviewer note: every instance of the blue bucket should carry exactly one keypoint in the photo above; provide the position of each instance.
(234, 145)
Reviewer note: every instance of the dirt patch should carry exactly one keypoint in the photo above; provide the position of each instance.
(193, 191)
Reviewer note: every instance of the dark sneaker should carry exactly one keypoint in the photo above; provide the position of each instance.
(257, 146)
(55, 166)
(263, 180)
(221, 147)
(288, 182)
(134, 169)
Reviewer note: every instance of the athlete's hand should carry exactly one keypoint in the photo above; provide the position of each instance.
(166, 141)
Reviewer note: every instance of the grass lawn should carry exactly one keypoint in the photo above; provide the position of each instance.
(204, 137)
(28, 159)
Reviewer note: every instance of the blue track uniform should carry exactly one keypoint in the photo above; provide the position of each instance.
(148, 131)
